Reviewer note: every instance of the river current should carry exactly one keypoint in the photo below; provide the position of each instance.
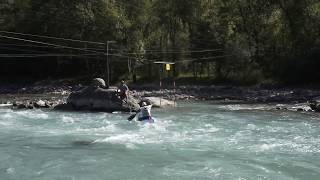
(192, 141)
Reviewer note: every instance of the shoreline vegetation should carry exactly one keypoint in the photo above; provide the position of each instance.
(241, 41)
(46, 95)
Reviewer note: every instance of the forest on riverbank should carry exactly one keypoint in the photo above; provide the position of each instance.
(215, 40)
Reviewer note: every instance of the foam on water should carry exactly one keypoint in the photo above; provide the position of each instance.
(67, 119)
(145, 133)
(123, 139)
(10, 171)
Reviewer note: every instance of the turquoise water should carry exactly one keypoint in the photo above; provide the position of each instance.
(192, 141)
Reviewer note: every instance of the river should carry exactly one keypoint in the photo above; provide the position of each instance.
(196, 140)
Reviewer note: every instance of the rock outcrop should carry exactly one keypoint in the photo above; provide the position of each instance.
(99, 99)
(96, 97)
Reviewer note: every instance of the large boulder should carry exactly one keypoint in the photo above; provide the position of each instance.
(99, 99)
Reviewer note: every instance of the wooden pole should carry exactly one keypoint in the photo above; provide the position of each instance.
(174, 92)
(160, 73)
(108, 65)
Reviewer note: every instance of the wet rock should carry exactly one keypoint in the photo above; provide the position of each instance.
(33, 104)
(40, 104)
(99, 99)
(300, 109)
(281, 107)
(23, 105)
(98, 82)
(64, 107)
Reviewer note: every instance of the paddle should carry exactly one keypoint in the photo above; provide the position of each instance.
(132, 116)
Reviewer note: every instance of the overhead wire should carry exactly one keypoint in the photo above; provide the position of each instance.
(100, 43)
(146, 51)
(45, 55)
(51, 37)
(178, 52)
(21, 50)
(204, 58)
(49, 44)
(46, 46)
(24, 45)
(73, 48)
(121, 55)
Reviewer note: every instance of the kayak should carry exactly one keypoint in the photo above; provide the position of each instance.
(146, 120)
(150, 120)
(135, 117)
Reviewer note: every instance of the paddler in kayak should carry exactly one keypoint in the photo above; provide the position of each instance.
(144, 113)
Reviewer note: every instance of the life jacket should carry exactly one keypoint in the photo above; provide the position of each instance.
(145, 113)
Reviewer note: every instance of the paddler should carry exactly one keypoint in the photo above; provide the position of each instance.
(144, 112)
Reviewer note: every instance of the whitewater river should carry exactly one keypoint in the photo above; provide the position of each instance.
(193, 141)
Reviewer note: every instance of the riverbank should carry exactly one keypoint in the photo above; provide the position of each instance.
(53, 94)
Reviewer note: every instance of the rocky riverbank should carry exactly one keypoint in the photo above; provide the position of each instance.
(284, 98)
(47, 96)
(245, 94)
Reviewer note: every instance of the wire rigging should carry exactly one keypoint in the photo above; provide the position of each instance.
(98, 51)
(146, 51)
(51, 37)
(49, 44)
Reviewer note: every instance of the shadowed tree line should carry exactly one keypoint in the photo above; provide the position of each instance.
(247, 41)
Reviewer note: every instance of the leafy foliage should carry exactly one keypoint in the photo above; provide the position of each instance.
(243, 40)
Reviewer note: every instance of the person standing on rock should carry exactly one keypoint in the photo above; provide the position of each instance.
(123, 91)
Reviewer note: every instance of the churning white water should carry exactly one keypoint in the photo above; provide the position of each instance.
(193, 141)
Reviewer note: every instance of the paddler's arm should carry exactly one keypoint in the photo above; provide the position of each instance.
(133, 115)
